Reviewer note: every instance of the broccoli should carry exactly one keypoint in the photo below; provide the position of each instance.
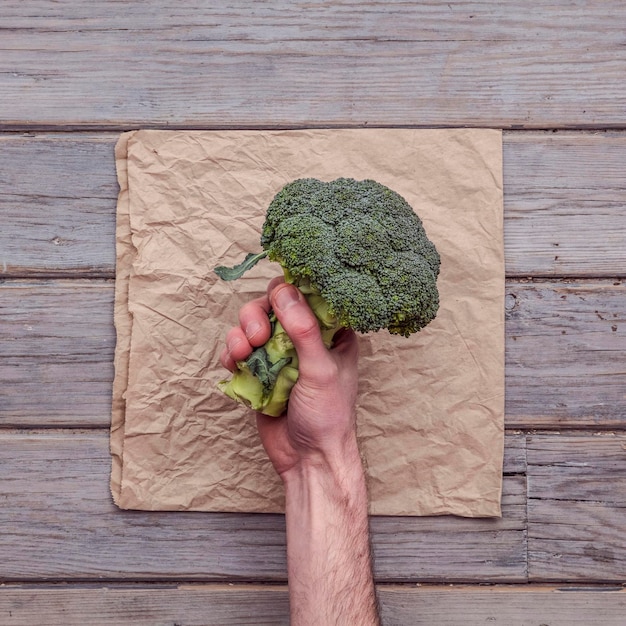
(361, 257)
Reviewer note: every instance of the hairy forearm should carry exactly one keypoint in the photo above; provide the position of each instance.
(328, 549)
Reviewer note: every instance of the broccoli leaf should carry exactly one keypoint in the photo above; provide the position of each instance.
(267, 372)
(233, 273)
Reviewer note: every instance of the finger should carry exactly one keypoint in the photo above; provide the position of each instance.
(300, 323)
(253, 317)
(237, 348)
(254, 321)
(277, 280)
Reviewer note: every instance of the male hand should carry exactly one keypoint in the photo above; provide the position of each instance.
(319, 426)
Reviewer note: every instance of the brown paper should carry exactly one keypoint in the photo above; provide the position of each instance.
(430, 407)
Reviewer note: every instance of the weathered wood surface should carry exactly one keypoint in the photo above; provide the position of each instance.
(57, 341)
(565, 353)
(199, 64)
(577, 507)
(268, 605)
(564, 197)
(503, 606)
(58, 196)
(58, 522)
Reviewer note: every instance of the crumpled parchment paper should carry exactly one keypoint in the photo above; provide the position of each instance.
(430, 408)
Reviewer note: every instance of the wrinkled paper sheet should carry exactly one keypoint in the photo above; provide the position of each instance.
(430, 408)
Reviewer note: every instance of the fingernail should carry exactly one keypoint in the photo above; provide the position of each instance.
(252, 329)
(232, 344)
(285, 297)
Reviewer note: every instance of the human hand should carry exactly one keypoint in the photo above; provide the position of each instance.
(319, 426)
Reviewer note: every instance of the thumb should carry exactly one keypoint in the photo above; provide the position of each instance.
(299, 322)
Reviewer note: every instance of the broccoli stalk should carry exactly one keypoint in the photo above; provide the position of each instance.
(265, 379)
(361, 257)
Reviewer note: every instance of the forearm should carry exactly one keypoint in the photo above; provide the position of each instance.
(328, 549)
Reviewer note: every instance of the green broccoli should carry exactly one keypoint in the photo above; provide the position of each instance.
(361, 257)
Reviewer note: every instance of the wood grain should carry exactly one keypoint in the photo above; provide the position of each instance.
(564, 199)
(504, 606)
(296, 63)
(565, 345)
(577, 507)
(56, 340)
(238, 605)
(59, 522)
(58, 195)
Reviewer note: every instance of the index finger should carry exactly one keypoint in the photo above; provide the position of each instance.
(254, 316)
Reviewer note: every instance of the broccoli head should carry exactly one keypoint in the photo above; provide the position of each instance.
(359, 254)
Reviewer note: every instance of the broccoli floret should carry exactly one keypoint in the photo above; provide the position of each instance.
(361, 257)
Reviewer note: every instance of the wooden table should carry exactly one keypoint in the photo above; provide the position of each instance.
(73, 75)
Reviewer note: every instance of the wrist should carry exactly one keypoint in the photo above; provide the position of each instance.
(335, 474)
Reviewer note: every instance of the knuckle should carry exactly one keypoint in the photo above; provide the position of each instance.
(305, 329)
(250, 310)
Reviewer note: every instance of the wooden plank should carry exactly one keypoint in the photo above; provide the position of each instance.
(502, 605)
(564, 198)
(235, 605)
(577, 507)
(296, 63)
(191, 605)
(565, 347)
(59, 522)
(58, 196)
(56, 340)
